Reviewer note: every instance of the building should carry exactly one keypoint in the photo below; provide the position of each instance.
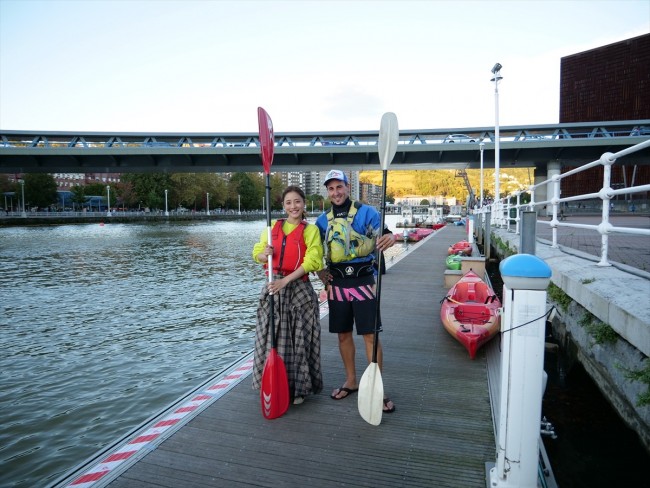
(607, 83)
(370, 194)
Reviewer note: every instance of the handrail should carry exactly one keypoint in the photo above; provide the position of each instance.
(501, 209)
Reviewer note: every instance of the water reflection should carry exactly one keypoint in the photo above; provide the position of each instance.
(105, 325)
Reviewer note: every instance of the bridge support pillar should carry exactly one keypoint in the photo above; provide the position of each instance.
(546, 193)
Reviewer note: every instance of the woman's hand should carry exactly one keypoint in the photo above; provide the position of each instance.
(277, 285)
(264, 255)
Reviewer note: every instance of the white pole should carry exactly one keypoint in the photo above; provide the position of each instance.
(481, 146)
(108, 201)
(22, 184)
(207, 212)
(523, 321)
(496, 71)
(166, 210)
(239, 204)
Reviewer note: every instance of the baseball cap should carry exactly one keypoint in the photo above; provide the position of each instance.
(336, 174)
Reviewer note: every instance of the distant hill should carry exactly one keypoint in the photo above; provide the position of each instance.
(446, 183)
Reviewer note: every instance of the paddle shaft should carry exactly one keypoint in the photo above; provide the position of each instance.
(269, 239)
(379, 259)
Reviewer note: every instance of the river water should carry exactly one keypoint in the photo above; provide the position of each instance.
(104, 325)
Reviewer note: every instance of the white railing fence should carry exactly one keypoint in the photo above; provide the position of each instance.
(506, 211)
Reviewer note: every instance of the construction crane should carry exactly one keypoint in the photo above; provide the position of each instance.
(471, 198)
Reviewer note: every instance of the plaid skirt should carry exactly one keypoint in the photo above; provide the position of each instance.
(297, 337)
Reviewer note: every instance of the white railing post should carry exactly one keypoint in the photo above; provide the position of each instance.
(556, 181)
(607, 159)
(517, 212)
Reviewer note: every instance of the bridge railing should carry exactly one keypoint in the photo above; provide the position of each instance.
(473, 135)
(506, 211)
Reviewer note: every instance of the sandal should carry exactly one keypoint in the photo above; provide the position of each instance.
(343, 389)
(388, 409)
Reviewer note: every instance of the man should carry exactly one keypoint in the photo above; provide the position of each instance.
(350, 239)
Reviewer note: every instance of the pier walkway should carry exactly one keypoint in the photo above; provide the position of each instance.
(441, 433)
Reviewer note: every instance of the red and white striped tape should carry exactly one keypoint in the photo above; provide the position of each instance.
(164, 425)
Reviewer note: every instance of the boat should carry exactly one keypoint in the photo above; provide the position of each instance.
(413, 235)
(423, 232)
(426, 225)
(453, 261)
(461, 247)
(409, 235)
(470, 312)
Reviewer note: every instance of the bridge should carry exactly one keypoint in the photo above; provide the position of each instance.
(520, 146)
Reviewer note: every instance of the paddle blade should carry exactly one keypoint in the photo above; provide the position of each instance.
(388, 138)
(266, 138)
(275, 387)
(371, 395)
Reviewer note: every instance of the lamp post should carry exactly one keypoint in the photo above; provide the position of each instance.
(108, 201)
(496, 72)
(166, 209)
(481, 147)
(22, 186)
(207, 205)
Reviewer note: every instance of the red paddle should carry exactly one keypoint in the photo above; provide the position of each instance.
(275, 385)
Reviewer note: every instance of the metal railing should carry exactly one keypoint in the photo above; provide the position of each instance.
(537, 133)
(506, 211)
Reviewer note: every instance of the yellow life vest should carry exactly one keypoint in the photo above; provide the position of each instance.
(342, 242)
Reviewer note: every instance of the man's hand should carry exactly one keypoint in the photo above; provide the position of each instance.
(325, 276)
(385, 241)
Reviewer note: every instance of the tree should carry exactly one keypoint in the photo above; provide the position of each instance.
(78, 194)
(242, 186)
(315, 201)
(150, 188)
(40, 190)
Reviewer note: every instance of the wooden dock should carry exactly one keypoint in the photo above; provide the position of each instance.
(441, 434)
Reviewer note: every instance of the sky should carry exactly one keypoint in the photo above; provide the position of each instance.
(206, 65)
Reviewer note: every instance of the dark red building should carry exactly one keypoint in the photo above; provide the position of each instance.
(607, 83)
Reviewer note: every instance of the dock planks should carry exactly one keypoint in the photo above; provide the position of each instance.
(441, 434)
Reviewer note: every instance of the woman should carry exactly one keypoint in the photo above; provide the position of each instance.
(297, 250)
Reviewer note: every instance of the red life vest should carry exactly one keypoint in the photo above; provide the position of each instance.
(289, 249)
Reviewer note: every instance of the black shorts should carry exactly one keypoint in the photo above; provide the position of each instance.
(352, 302)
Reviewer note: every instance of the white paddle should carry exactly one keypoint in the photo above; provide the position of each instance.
(371, 386)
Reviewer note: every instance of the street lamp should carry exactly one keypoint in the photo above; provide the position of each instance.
(496, 72)
(207, 211)
(22, 185)
(481, 146)
(166, 210)
(108, 201)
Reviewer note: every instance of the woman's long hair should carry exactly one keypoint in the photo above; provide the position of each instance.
(298, 190)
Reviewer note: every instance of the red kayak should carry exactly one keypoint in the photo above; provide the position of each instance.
(463, 248)
(469, 312)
